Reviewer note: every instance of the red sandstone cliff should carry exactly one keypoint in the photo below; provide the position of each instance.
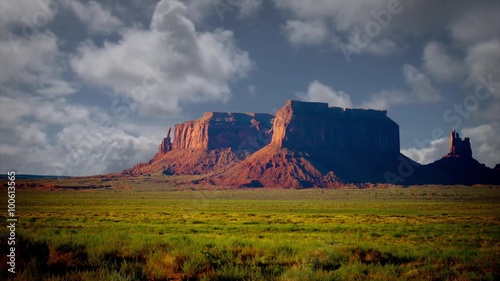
(317, 145)
(215, 141)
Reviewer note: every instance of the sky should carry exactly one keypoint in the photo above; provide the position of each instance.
(91, 87)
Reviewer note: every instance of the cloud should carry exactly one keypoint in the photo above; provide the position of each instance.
(420, 89)
(35, 62)
(483, 60)
(199, 10)
(385, 99)
(29, 14)
(29, 51)
(420, 84)
(437, 149)
(248, 8)
(96, 18)
(151, 70)
(33, 56)
(485, 143)
(82, 149)
(341, 23)
(166, 65)
(345, 14)
(69, 139)
(476, 22)
(300, 33)
(53, 88)
(439, 64)
(318, 92)
(383, 28)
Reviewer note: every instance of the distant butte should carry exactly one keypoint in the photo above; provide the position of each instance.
(306, 144)
(458, 166)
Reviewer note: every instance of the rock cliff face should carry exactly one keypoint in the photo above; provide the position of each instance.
(217, 130)
(317, 145)
(459, 147)
(165, 146)
(215, 141)
(305, 145)
(317, 128)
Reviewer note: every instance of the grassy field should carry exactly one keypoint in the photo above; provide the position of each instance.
(416, 233)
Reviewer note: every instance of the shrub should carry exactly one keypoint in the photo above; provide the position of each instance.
(195, 264)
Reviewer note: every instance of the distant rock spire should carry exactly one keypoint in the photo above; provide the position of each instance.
(459, 147)
(166, 144)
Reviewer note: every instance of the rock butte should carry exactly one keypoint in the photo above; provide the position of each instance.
(306, 144)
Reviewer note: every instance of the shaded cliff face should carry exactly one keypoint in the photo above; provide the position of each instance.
(316, 128)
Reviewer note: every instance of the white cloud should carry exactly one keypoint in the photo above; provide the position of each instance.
(345, 14)
(475, 31)
(485, 143)
(96, 18)
(248, 8)
(477, 22)
(89, 142)
(439, 64)
(318, 92)
(338, 22)
(385, 99)
(198, 10)
(30, 135)
(43, 132)
(483, 59)
(437, 149)
(168, 64)
(55, 88)
(301, 33)
(420, 90)
(29, 52)
(420, 85)
(89, 148)
(368, 26)
(47, 111)
(28, 56)
(27, 13)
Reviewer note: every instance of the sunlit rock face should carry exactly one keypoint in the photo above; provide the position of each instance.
(217, 130)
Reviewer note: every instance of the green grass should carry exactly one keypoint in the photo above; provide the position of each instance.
(417, 233)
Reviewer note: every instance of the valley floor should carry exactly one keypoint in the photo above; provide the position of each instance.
(157, 233)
